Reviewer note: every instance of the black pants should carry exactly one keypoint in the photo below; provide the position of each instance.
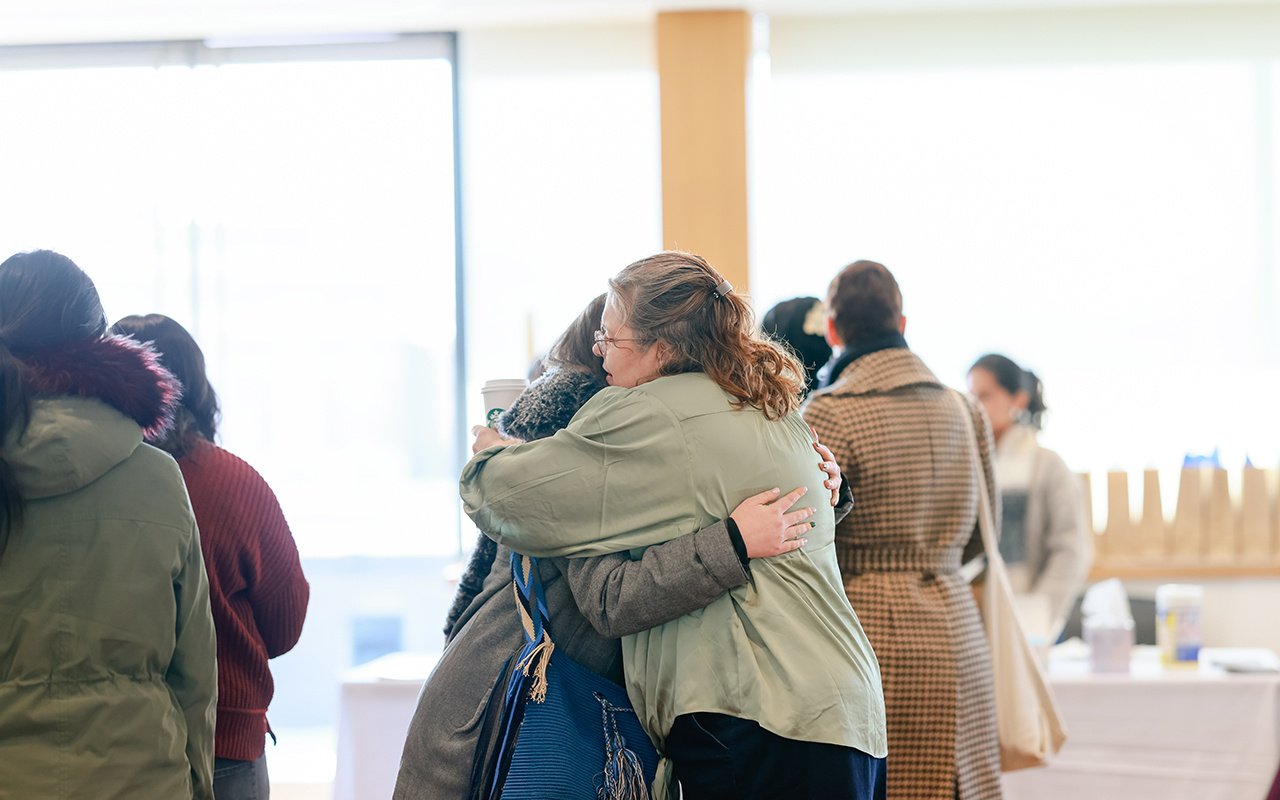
(721, 757)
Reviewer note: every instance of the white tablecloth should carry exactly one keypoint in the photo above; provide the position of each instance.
(1201, 734)
(377, 703)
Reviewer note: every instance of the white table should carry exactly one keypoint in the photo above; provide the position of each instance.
(1200, 734)
(1164, 735)
(378, 700)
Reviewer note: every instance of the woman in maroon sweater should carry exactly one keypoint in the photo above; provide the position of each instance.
(257, 591)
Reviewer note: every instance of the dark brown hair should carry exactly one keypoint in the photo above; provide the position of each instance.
(573, 350)
(864, 302)
(672, 298)
(178, 352)
(798, 324)
(45, 301)
(1013, 379)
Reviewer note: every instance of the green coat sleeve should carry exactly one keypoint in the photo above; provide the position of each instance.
(193, 674)
(618, 477)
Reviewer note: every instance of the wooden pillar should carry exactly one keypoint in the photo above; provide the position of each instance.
(704, 60)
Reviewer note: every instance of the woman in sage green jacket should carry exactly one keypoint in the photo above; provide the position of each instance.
(591, 601)
(107, 672)
(772, 690)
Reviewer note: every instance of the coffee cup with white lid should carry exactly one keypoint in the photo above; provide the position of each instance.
(498, 396)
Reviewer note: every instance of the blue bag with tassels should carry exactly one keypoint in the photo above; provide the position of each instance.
(565, 733)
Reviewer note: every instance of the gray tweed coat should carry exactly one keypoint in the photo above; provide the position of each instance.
(904, 447)
(592, 602)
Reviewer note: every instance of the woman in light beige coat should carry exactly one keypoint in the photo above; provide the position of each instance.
(1045, 537)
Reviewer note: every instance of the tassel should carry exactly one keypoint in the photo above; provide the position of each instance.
(538, 691)
(623, 774)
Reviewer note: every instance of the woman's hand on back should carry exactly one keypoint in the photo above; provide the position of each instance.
(766, 527)
(830, 467)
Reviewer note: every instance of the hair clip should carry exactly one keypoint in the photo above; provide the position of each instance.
(723, 288)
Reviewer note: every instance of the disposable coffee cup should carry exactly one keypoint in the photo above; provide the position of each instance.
(498, 396)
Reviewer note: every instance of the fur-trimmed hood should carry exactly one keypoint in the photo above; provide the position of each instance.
(118, 371)
(549, 403)
(91, 402)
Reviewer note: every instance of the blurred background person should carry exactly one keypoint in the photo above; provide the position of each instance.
(906, 450)
(257, 592)
(1044, 537)
(800, 323)
(107, 672)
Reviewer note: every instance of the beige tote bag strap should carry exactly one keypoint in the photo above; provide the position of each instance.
(1027, 717)
(986, 518)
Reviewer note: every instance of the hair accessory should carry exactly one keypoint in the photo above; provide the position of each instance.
(723, 288)
(815, 320)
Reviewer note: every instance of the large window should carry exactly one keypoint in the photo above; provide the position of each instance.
(293, 207)
(1106, 217)
(563, 181)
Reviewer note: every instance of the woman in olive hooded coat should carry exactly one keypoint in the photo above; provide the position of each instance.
(107, 671)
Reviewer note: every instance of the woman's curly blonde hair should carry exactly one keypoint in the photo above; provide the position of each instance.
(676, 299)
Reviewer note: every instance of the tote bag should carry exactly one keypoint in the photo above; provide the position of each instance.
(565, 733)
(1027, 718)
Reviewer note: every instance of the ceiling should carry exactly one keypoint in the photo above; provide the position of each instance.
(60, 21)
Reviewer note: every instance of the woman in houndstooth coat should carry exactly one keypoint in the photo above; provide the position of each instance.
(904, 447)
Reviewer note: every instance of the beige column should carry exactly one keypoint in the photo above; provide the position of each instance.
(704, 59)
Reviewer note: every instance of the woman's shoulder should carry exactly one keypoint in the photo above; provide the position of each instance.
(1050, 463)
(206, 460)
(688, 394)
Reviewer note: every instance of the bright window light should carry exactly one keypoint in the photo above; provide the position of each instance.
(299, 218)
(1104, 224)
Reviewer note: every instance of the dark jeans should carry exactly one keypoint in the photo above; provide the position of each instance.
(241, 780)
(718, 757)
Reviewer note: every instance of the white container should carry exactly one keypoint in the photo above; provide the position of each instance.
(1110, 646)
(499, 395)
(1178, 624)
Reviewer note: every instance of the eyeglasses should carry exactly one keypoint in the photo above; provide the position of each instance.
(602, 342)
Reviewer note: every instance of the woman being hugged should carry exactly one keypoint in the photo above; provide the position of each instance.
(107, 672)
(257, 592)
(771, 690)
